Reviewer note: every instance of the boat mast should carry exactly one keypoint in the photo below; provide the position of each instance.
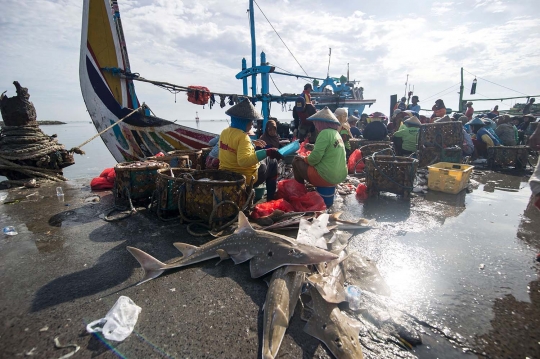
(253, 48)
(461, 93)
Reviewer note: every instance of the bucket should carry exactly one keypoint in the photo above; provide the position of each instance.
(259, 192)
(327, 193)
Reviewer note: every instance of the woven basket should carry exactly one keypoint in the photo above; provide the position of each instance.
(175, 161)
(390, 174)
(204, 153)
(359, 142)
(136, 180)
(215, 196)
(383, 148)
(508, 156)
(168, 187)
(438, 142)
(194, 155)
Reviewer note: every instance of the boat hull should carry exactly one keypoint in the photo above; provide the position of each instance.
(110, 97)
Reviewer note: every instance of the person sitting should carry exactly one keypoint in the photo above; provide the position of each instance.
(237, 152)
(270, 136)
(414, 106)
(305, 128)
(401, 105)
(470, 110)
(439, 110)
(212, 160)
(506, 131)
(409, 134)
(363, 121)
(482, 138)
(397, 120)
(326, 165)
(375, 129)
(353, 120)
(344, 130)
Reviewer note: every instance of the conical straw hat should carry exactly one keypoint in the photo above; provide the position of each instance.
(244, 110)
(413, 121)
(324, 115)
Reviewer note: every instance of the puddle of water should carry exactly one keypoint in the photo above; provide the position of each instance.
(430, 252)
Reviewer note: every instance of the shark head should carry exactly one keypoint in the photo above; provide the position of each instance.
(280, 253)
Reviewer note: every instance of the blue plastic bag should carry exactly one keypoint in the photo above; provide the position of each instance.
(290, 148)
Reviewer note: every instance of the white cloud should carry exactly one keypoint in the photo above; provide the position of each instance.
(493, 6)
(441, 8)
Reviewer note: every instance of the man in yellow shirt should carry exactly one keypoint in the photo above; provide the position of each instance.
(237, 153)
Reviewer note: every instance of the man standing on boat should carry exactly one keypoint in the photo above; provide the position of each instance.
(470, 111)
(528, 106)
(237, 152)
(303, 108)
(414, 106)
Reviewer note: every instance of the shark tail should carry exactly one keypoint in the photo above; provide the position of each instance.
(150, 264)
(267, 355)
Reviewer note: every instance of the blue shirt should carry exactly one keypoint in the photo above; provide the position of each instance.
(414, 108)
(485, 131)
(356, 132)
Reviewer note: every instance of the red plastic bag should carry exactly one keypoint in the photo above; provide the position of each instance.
(104, 181)
(361, 191)
(266, 208)
(302, 151)
(290, 188)
(356, 156)
(311, 201)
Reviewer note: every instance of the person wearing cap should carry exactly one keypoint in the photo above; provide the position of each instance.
(344, 130)
(353, 121)
(482, 139)
(439, 110)
(528, 107)
(237, 152)
(414, 106)
(401, 105)
(326, 165)
(409, 134)
(375, 129)
(470, 111)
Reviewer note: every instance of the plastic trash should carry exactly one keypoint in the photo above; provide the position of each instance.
(119, 321)
(9, 231)
(59, 191)
(353, 297)
(3, 197)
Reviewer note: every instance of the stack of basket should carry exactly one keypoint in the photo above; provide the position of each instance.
(440, 142)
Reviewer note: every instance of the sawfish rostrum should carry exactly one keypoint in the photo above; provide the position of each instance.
(267, 251)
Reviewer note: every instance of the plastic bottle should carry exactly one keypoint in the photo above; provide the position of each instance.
(9, 231)
(60, 194)
(353, 297)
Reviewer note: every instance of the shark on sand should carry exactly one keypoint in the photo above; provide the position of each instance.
(267, 251)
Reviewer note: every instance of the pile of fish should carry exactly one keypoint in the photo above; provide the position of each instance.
(421, 181)
(315, 269)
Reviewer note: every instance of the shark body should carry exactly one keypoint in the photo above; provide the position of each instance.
(267, 251)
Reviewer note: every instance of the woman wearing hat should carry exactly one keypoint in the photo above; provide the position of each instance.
(483, 138)
(439, 110)
(355, 131)
(237, 152)
(506, 131)
(470, 110)
(409, 134)
(375, 129)
(344, 130)
(326, 165)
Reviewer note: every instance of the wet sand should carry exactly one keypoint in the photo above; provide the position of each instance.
(67, 267)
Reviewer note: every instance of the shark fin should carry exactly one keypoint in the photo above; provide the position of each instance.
(150, 265)
(243, 223)
(222, 255)
(241, 256)
(314, 327)
(186, 249)
(280, 318)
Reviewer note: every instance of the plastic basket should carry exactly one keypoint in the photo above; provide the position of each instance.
(506, 156)
(449, 177)
(194, 155)
(392, 174)
(438, 142)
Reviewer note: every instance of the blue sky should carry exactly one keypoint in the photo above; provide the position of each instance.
(203, 42)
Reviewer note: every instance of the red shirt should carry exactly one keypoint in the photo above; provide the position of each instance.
(469, 113)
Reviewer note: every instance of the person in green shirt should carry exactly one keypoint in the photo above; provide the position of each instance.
(409, 133)
(326, 165)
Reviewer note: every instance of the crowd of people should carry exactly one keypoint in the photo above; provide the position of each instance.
(331, 132)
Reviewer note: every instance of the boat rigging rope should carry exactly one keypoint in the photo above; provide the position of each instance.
(508, 88)
(78, 150)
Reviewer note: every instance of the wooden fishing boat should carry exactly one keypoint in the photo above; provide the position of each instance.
(110, 98)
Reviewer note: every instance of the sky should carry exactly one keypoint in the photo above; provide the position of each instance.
(203, 43)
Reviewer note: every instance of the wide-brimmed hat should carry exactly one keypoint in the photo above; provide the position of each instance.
(244, 110)
(445, 118)
(413, 121)
(353, 119)
(476, 121)
(324, 115)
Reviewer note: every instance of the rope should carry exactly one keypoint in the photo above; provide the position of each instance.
(508, 88)
(78, 150)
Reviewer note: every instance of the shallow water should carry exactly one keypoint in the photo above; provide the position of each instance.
(430, 252)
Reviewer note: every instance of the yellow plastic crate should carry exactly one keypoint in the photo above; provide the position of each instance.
(449, 177)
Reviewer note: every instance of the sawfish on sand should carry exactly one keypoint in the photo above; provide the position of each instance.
(267, 251)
